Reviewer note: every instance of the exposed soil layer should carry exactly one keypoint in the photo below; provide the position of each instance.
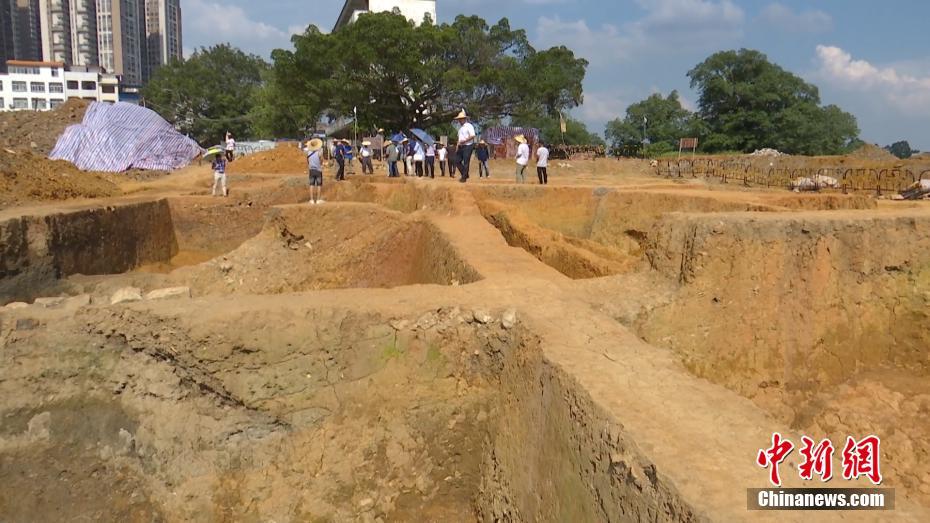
(38, 131)
(283, 159)
(25, 177)
(401, 353)
(587, 233)
(341, 415)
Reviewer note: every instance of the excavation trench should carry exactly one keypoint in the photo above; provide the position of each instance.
(588, 233)
(820, 318)
(217, 246)
(305, 414)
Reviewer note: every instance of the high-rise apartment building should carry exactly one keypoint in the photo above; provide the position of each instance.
(121, 39)
(24, 29)
(163, 32)
(130, 38)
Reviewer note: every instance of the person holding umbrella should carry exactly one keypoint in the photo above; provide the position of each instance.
(219, 169)
(419, 156)
(465, 145)
(315, 167)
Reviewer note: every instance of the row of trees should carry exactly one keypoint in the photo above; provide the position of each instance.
(394, 74)
(745, 103)
(383, 68)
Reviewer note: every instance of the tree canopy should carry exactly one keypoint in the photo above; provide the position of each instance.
(901, 149)
(400, 75)
(209, 93)
(666, 121)
(747, 103)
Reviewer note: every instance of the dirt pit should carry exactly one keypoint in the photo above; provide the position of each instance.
(587, 233)
(303, 414)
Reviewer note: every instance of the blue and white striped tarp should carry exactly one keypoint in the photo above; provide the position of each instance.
(497, 135)
(118, 137)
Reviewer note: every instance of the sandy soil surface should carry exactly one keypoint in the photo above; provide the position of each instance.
(457, 352)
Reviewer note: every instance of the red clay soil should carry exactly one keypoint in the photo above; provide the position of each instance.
(25, 177)
(37, 131)
(284, 159)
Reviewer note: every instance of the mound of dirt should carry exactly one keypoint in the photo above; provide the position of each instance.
(25, 177)
(37, 131)
(284, 159)
(873, 152)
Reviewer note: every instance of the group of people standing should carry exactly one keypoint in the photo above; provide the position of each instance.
(419, 157)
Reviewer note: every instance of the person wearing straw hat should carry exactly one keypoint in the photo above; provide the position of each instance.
(483, 154)
(523, 157)
(392, 154)
(315, 166)
(405, 155)
(465, 145)
(364, 156)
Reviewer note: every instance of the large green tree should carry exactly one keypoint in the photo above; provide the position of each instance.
(209, 93)
(663, 119)
(746, 102)
(399, 75)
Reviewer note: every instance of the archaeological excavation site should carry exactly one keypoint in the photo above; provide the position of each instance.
(603, 349)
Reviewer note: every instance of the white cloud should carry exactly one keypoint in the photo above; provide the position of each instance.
(784, 18)
(667, 26)
(207, 23)
(907, 93)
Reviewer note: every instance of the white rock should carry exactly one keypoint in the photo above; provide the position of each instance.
(126, 294)
(169, 293)
(482, 316)
(50, 303)
(509, 319)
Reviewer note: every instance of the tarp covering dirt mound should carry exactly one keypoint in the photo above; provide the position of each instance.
(286, 158)
(25, 177)
(37, 131)
(119, 137)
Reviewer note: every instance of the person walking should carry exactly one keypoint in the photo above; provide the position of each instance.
(219, 175)
(483, 154)
(419, 156)
(393, 154)
(349, 155)
(465, 146)
(339, 155)
(314, 152)
(431, 160)
(441, 157)
(230, 147)
(523, 157)
(542, 163)
(364, 155)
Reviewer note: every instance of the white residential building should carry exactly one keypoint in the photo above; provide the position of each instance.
(41, 86)
(415, 10)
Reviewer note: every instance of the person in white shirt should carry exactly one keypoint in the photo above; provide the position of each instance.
(365, 158)
(430, 160)
(542, 163)
(230, 147)
(441, 156)
(465, 145)
(523, 157)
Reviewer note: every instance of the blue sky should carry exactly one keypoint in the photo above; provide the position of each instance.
(870, 58)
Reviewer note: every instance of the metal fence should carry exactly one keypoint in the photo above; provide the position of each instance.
(749, 173)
